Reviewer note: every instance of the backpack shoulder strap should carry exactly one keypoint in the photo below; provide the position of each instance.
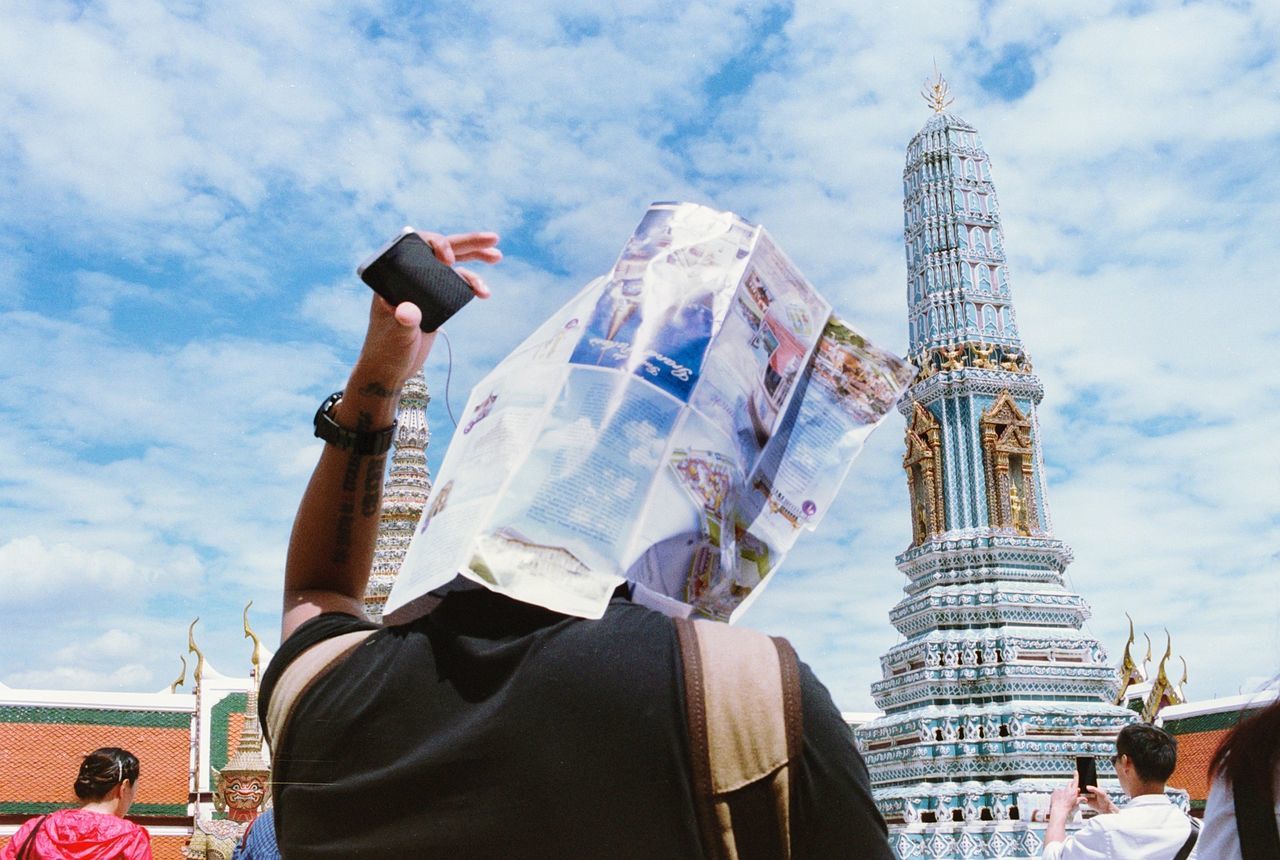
(307, 668)
(1185, 851)
(743, 702)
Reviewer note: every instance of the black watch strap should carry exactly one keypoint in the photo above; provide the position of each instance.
(363, 442)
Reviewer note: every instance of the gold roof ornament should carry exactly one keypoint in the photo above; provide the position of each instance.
(191, 647)
(256, 659)
(1161, 676)
(182, 676)
(1128, 668)
(936, 93)
(1163, 693)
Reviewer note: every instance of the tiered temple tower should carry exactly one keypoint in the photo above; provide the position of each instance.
(405, 494)
(995, 689)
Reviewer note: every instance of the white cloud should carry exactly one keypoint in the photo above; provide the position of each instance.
(113, 644)
(342, 307)
(131, 676)
(30, 569)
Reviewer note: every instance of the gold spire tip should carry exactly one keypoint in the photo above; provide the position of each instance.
(256, 659)
(936, 93)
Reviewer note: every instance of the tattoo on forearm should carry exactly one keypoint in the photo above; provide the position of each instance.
(377, 389)
(349, 477)
(345, 526)
(372, 487)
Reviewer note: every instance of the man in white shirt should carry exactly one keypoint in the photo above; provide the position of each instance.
(1149, 827)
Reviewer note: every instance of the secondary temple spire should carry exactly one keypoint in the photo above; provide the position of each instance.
(995, 689)
(405, 495)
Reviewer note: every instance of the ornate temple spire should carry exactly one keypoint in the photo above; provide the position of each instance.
(405, 495)
(994, 687)
(960, 306)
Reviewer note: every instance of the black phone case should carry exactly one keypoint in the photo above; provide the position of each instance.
(410, 272)
(1088, 771)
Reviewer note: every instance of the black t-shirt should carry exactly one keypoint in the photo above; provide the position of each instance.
(495, 729)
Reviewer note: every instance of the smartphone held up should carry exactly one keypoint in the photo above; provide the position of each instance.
(1087, 769)
(407, 270)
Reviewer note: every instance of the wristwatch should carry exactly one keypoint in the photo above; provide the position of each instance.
(363, 442)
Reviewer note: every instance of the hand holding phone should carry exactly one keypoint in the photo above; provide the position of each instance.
(407, 270)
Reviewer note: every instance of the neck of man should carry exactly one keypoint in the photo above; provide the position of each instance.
(1142, 789)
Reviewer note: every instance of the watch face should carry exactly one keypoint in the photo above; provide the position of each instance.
(361, 442)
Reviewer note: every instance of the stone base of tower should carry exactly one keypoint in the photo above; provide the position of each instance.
(953, 767)
(970, 840)
(947, 841)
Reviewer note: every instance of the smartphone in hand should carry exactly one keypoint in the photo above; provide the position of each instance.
(406, 270)
(1087, 768)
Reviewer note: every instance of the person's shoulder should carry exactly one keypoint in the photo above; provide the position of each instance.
(141, 832)
(139, 842)
(316, 630)
(1095, 837)
(325, 626)
(313, 631)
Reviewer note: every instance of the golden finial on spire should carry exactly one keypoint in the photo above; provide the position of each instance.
(1162, 691)
(256, 659)
(936, 93)
(182, 676)
(191, 646)
(1168, 652)
(1128, 668)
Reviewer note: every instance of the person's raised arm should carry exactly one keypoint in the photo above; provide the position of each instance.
(331, 547)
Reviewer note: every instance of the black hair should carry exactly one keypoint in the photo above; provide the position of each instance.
(1250, 754)
(104, 769)
(1153, 751)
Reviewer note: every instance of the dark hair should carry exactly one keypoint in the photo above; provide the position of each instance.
(1153, 751)
(104, 769)
(1251, 752)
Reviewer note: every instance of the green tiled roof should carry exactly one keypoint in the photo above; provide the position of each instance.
(26, 808)
(1205, 722)
(150, 719)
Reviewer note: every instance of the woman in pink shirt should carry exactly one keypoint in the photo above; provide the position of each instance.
(97, 829)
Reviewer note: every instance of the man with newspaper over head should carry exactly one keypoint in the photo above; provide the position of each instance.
(647, 455)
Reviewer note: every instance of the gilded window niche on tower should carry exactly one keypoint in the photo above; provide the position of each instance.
(1007, 456)
(923, 464)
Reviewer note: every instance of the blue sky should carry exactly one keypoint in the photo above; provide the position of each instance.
(185, 189)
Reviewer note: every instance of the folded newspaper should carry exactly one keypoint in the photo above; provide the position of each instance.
(676, 425)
